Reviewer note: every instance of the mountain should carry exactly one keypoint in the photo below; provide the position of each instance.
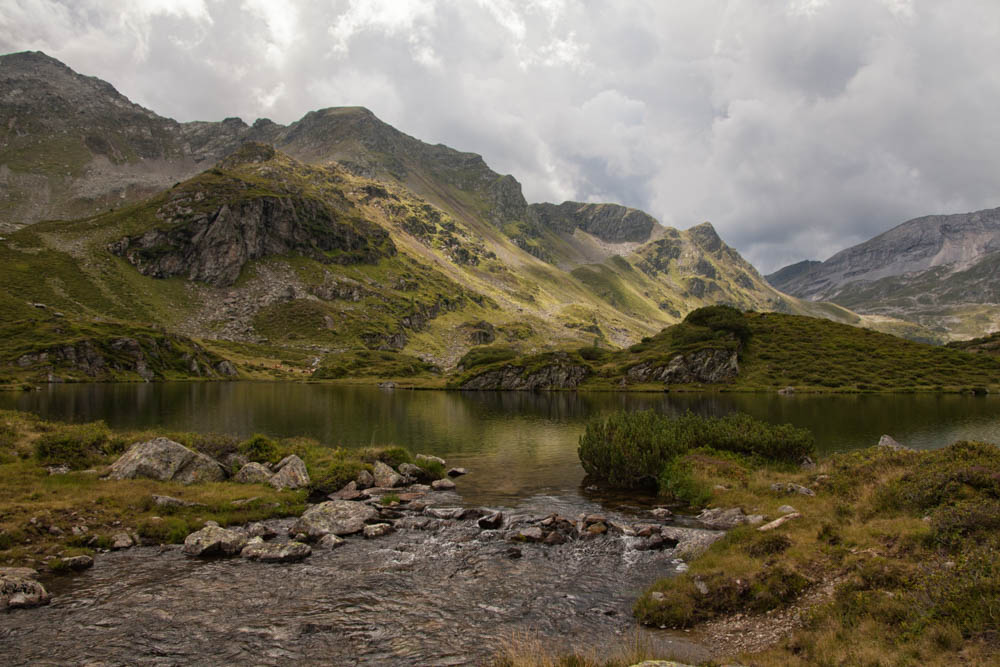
(939, 271)
(335, 245)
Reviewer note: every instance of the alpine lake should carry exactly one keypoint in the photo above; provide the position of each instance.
(450, 597)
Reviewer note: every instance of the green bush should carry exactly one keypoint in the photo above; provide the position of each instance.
(721, 318)
(261, 449)
(336, 473)
(75, 445)
(676, 480)
(392, 456)
(630, 449)
(480, 356)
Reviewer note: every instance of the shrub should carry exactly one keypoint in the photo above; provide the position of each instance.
(676, 480)
(480, 356)
(335, 474)
(261, 449)
(630, 449)
(721, 318)
(75, 445)
(768, 544)
(392, 456)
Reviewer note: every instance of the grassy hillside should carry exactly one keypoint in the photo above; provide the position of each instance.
(774, 351)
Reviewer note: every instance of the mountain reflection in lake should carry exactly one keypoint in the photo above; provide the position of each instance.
(519, 444)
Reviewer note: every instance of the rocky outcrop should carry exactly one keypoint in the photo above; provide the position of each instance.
(334, 517)
(214, 245)
(20, 590)
(609, 222)
(707, 366)
(166, 460)
(511, 377)
(214, 541)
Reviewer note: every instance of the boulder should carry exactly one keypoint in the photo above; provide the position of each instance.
(442, 485)
(413, 472)
(291, 474)
(166, 460)
(334, 517)
(365, 480)
(253, 473)
(19, 590)
(330, 542)
(888, 442)
(377, 530)
(457, 472)
(385, 476)
(121, 541)
(214, 541)
(79, 563)
(275, 552)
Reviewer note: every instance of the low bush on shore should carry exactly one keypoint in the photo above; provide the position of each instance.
(640, 450)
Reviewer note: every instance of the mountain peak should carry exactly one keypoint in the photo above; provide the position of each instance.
(705, 235)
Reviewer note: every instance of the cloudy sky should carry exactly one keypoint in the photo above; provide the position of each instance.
(797, 127)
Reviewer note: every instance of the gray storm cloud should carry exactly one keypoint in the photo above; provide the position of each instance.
(797, 127)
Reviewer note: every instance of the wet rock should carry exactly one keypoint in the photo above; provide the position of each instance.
(531, 534)
(410, 497)
(443, 512)
(553, 538)
(291, 474)
(724, 519)
(377, 530)
(20, 590)
(442, 485)
(656, 542)
(597, 528)
(457, 472)
(365, 480)
(337, 517)
(121, 541)
(620, 527)
(261, 530)
(78, 563)
(349, 492)
(330, 541)
(661, 513)
(275, 552)
(430, 459)
(166, 460)
(214, 541)
(791, 487)
(779, 522)
(594, 518)
(385, 476)
(253, 473)
(491, 521)
(888, 442)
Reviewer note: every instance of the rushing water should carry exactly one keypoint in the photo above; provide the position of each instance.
(444, 597)
(519, 444)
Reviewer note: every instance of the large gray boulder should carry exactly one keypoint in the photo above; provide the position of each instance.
(19, 590)
(386, 477)
(724, 519)
(275, 552)
(214, 541)
(334, 517)
(253, 473)
(166, 460)
(291, 474)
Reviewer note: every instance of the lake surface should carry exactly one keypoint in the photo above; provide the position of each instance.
(520, 445)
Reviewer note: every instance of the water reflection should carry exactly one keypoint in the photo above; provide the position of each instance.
(518, 443)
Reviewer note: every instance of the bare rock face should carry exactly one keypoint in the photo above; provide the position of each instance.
(704, 366)
(166, 460)
(291, 474)
(214, 541)
(334, 517)
(609, 222)
(517, 378)
(19, 590)
(213, 246)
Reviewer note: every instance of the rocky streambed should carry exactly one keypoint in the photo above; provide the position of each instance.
(419, 580)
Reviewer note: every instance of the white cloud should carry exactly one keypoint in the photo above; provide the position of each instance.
(795, 126)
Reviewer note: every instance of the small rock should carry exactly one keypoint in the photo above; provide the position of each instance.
(791, 487)
(275, 552)
(457, 472)
(807, 462)
(19, 590)
(365, 480)
(701, 586)
(594, 518)
(253, 473)
(261, 530)
(330, 541)
(385, 476)
(121, 541)
(412, 471)
(431, 459)
(531, 534)
(657, 595)
(55, 530)
(291, 474)
(787, 509)
(888, 442)
(442, 485)
(723, 519)
(58, 469)
(80, 530)
(597, 528)
(214, 541)
(170, 501)
(377, 530)
(513, 553)
(491, 521)
(555, 537)
(350, 491)
(787, 391)
(779, 521)
(79, 563)
(661, 513)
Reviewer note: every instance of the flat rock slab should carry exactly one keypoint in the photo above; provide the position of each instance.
(276, 552)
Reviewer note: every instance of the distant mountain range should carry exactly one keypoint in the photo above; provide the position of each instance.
(334, 237)
(939, 271)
